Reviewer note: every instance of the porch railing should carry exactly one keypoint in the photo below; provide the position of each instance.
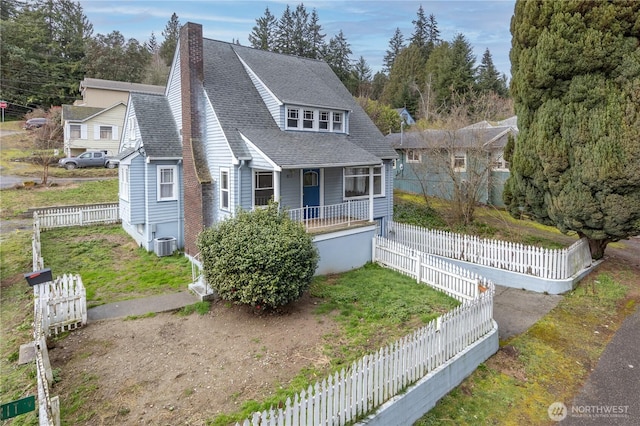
(343, 214)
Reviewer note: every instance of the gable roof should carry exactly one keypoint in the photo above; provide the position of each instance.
(293, 80)
(120, 86)
(83, 113)
(465, 138)
(157, 127)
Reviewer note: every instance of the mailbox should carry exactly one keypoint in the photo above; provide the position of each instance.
(38, 277)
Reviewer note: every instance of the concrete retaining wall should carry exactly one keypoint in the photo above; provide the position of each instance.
(405, 409)
(344, 250)
(523, 281)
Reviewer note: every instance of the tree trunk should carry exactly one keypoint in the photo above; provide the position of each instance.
(597, 247)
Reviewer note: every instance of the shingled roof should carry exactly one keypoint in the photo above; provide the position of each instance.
(157, 126)
(293, 80)
(79, 113)
(122, 86)
(469, 137)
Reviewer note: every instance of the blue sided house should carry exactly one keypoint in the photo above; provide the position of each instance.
(237, 127)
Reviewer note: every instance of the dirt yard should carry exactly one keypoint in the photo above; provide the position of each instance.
(172, 369)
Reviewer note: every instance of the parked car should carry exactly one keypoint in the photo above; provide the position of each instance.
(89, 159)
(34, 123)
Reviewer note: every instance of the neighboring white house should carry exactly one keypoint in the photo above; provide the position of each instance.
(95, 122)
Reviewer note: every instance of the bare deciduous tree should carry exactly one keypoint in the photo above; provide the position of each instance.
(48, 139)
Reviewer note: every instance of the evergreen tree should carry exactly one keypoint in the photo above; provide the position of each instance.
(263, 35)
(315, 37)
(575, 79)
(451, 66)
(420, 31)
(406, 80)
(337, 56)
(284, 33)
(301, 45)
(42, 50)
(396, 44)
(380, 80)
(156, 72)
(171, 33)
(488, 78)
(110, 57)
(433, 33)
(362, 76)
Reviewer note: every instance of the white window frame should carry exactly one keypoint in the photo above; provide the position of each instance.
(225, 190)
(255, 181)
(124, 182)
(324, 123)
(71, 128)
(337, 121)
(132, 128)
(174, 184)
(411, 156)
(293, 114)
(311, 119)
(455, 162)
(378, 171)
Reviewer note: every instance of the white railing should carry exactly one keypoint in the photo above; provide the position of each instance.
(59, 217)
(457, 282)
(48, 406)
(347, 396)
(540, 262)
(63, 303)
(332, 215)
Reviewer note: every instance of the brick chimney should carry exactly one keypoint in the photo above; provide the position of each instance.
(197, 183)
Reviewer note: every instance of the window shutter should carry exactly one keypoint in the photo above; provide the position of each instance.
(114, 133)
(96, 131)
(83, 131)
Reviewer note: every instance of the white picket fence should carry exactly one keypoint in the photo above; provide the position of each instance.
(63, 303)
(36, 245)
(540, 262)
(459, 283)
(347, 396)
(59, 217)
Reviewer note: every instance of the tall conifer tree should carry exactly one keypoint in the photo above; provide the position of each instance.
(575, 80)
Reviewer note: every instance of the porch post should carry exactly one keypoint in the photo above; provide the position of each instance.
(276, 186)
(371, 191)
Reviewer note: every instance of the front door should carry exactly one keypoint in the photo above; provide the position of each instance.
(311, 192)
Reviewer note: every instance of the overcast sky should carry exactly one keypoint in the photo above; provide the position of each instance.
(367, 24)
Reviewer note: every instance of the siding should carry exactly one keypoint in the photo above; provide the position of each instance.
(126, 141)
(219, 155)
(137, 189)
(244, 198)
(174, 92)
(104, 98)
(115, 118)
(273, 104)
(290, 193)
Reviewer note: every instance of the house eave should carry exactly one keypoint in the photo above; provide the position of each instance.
(151, 158)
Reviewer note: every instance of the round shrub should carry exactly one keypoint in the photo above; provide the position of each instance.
(259, 258)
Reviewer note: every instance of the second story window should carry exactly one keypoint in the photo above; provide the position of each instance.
(293, 114)
(307, 120)
(315, 120)
(106, 132)
(75, 131)
(323, 123)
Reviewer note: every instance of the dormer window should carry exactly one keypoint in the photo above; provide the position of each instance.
(337, 122)
(316, 120)
(293, 115)
(307, 121)
(323, 123)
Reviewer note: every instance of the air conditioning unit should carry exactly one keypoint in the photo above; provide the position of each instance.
(164, 246)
